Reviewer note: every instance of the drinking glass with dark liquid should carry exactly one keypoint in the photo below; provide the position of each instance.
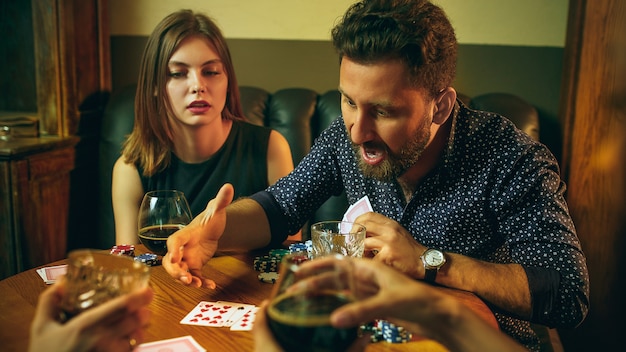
(161, 214)
(302, 302)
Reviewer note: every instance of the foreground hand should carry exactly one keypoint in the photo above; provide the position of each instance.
(191, 247)
(116, 325)
(393, 244)
(385, 293)
(264, 340)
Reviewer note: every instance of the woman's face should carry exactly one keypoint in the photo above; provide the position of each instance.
(197, 82)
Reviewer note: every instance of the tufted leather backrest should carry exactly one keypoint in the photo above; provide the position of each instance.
(516, 109)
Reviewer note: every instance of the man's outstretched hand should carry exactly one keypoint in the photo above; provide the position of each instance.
(191, 247)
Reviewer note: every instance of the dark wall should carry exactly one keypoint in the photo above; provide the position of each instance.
(533, 73)
(17, 57)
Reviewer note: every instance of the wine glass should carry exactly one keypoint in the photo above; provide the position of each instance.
(161, 214)
(306, 294)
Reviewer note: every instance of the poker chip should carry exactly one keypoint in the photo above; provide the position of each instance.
(393, 333)
(266, 268)
(296, 247)
(270, 277)
(279, 253)
(266, 259)
(123, 249)
(149, 259)
(306, 247)
(266, 263)
(382, 330)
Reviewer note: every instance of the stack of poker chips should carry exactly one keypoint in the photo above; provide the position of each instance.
(382, 330)
(306, 246)
(269, 264)
(266, 263)
(149, 259)
(123, 249)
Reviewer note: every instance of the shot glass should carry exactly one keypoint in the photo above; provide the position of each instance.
(94, 277)
(342, 237)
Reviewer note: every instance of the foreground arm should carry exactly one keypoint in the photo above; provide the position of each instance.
(385, 293)
(241, 225)
(113, 326)
(127, 193)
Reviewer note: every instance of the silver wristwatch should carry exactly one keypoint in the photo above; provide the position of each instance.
(433, 260)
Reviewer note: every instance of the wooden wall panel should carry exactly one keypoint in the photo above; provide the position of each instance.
(594, 165)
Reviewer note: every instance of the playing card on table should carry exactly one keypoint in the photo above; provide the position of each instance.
(178, 344)
(209, 314)
(246, 321)
(50, 274)
(240, 309)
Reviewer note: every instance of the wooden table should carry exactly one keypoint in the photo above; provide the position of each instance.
(236, 281)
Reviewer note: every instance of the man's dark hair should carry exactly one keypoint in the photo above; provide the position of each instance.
(414, 31)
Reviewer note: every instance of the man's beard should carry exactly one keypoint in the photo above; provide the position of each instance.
(395, 164)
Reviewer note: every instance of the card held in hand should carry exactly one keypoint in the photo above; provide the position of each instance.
(362, 206)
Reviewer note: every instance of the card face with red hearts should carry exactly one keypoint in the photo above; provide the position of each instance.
(240, 309)
(246, 321)
(216, 314)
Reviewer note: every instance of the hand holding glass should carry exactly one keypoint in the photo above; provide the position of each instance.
(302, 302)
(94, 277)
(161, 214)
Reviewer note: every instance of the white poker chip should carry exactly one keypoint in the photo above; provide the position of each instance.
(269, 277)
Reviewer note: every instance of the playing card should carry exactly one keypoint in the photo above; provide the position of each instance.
(209, 314)
(51, 273)
(178, 344)
(362, 206)
(240, 309)
(246, 321)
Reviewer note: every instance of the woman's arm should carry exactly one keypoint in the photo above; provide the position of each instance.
(127, 192)
(279, 160)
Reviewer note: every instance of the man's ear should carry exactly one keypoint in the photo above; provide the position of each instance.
(444, 103)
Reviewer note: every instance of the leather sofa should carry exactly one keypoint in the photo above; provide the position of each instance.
(300, 114)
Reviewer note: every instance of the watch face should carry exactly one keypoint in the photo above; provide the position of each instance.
(434, 258)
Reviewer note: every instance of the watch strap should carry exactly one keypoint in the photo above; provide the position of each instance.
(430, 275)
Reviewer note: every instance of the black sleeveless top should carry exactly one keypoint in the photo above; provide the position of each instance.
(241, 161)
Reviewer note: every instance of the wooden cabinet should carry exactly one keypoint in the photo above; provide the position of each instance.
(57, 69)
(34, 201)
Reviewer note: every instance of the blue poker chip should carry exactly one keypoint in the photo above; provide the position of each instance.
(297, 247)
(147, 258)
(393, 333)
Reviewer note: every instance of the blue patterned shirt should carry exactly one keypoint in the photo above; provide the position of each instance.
(496, 195)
